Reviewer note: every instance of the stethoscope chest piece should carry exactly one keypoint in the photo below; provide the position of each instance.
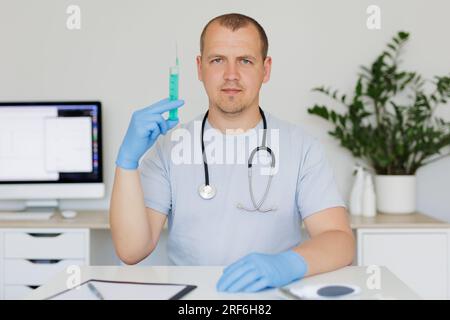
(207, 191)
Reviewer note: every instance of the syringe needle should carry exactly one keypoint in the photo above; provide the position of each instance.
(176, 53)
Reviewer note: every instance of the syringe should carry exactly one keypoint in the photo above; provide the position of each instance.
(173, 86)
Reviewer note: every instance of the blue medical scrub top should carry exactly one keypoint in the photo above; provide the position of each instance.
(215, 231)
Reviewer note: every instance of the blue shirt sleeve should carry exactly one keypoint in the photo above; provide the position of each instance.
(316, 186)
(155, 180)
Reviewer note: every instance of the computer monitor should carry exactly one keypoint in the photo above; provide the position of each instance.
(50, 151)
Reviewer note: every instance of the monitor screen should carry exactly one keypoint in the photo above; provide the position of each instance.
(50, 142)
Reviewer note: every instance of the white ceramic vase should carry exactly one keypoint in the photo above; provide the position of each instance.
(396, 194)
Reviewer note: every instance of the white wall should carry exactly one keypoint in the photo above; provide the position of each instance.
(122, 53)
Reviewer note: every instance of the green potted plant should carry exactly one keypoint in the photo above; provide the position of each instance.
(390, 124)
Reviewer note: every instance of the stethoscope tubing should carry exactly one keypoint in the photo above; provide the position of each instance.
(207, 191)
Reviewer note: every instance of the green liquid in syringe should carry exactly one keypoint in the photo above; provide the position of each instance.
(173, 93)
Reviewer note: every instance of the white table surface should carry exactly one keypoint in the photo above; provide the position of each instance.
(206, 277)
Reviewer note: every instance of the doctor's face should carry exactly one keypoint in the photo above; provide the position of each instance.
(231, 68)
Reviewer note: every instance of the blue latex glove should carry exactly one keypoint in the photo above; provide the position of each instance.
(144, 129)
(257, 271)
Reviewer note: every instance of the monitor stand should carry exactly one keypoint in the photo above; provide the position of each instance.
(34, 210)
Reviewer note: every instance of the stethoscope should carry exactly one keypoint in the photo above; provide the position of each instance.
(208, 191)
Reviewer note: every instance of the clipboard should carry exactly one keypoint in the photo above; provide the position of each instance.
(95, 289)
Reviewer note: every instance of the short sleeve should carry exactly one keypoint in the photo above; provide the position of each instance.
(316, 186)
(155, 180)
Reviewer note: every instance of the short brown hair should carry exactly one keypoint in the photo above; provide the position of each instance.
(235, 21)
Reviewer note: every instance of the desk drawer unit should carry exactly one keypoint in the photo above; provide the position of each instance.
(15, 292)
(44, 245)
(35, 272)
(31, 257)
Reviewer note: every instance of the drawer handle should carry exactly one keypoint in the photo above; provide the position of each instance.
(44, 261)
(33, 287)
(44, 235)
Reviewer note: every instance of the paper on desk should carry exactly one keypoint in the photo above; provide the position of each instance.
(115, 290)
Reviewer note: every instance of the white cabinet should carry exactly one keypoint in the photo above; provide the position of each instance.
(31, 272)
(31, 257)
(419, 257)
(43, 245)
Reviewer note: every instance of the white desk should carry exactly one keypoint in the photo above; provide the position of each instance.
(206, 278)
(409, 245)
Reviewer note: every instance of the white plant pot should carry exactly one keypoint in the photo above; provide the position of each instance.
(396, 194)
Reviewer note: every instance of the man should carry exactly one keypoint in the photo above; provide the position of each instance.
(262, 248)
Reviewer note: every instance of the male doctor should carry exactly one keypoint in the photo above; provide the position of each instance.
(261, 248)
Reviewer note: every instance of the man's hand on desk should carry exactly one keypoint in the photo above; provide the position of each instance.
(258, 271)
